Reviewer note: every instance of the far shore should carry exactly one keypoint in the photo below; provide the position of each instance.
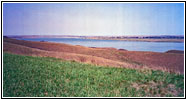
(158, 38)
(146, 40)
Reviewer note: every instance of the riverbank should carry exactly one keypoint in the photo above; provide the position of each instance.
(170, 62)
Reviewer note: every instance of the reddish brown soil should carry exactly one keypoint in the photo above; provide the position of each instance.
(172, 62)
(175, 51)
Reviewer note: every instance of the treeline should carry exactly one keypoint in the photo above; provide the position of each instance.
(148, 37)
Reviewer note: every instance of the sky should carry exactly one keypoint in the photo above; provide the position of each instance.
(93, 19)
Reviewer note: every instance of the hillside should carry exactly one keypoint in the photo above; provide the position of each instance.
(26, 76)
(171, 62)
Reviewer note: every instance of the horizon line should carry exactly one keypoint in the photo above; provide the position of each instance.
(93, 35)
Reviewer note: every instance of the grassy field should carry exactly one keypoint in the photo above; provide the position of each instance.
(26, 76)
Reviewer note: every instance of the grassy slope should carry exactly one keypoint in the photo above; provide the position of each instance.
(36, 76)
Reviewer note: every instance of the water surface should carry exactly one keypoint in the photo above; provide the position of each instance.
(128, 45)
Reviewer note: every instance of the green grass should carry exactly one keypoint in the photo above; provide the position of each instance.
(26, 76)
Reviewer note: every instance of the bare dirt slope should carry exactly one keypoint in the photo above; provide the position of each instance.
(172, 62)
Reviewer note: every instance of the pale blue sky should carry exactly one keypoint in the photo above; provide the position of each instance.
(93, 19)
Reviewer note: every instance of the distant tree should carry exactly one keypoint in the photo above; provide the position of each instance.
(5, 36)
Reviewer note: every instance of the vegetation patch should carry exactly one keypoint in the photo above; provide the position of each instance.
(26, 76)
(158, 89)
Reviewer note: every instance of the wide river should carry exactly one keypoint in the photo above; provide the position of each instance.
(128, 45)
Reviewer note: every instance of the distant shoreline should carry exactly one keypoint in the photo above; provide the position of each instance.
(159, 38)
(147, 40)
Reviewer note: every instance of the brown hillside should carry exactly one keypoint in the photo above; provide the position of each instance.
(175, 51)
(99, 56)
